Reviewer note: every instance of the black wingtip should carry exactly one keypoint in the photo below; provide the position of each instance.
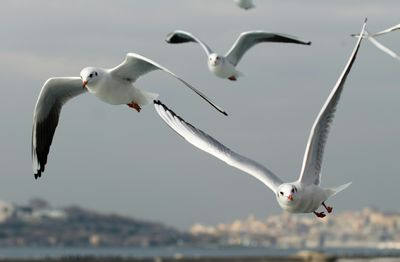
(158, 102)
(37, 175)
(309, 43)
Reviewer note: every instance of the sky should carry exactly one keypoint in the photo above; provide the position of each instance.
(113, 159)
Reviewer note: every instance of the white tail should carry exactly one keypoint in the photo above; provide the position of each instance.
(334, 191)
(143, 98)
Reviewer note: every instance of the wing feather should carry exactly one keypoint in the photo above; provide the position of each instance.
(54, 94)
(311, 169)
(246, 40)
(382, 47)
(179, 37)
(391, 29)
(136, 65)
(210, 145)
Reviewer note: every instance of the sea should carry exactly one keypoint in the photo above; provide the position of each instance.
(180, 252)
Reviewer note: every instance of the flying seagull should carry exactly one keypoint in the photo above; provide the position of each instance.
(372, 39)
(225, 66)
(113, 86)
(302, 196)
(245, 4)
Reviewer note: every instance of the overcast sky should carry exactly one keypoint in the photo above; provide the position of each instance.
(112, 159)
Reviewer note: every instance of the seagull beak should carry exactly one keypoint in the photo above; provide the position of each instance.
(84, 83)
(290, 197)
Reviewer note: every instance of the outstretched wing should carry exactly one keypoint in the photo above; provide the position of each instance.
(311, 169)
(54, 94)
(248, 39)
(208, 144)
(136, 65)
(391, 29)
(179, 37)
(382, 47)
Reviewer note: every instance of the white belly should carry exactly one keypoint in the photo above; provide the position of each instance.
(114, 92)
(224, 71)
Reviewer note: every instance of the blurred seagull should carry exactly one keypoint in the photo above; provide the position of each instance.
(245, 4)
(302, 196)
(224, 66)
(372, 39)
(113, 86)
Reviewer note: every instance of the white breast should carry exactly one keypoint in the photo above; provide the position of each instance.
(224, 70)
(113, 91)
(312, 197)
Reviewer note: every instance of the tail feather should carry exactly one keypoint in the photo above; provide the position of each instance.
(143, 97)
(334, 191)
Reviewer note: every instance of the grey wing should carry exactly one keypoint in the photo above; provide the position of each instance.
(311, 169)
(382, 47)
(248, 39)
(136, 65)
(208, 144)
(54, 94)
(178, 37)
(391, 29)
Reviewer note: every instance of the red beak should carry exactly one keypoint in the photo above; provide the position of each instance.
(84, 83)
(290, 197)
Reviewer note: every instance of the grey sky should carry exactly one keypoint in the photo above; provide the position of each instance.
(112, 159)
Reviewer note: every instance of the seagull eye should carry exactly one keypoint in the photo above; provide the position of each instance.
(95, 73)
(292, 190)
(281, 193)
(91, 75)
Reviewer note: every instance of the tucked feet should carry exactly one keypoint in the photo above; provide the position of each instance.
(328, 208)
(134, 106)
(232, 78)
(320, 214)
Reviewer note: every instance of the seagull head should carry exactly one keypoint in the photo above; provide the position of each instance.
(287, 194)
(215, 59)
(89, 76)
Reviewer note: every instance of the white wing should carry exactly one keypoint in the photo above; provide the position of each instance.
(382, 47)
(136, 65)
(311, 169)
(248, 39)
(391, 29)
(54, 94)
(178, 37)
(208, 144)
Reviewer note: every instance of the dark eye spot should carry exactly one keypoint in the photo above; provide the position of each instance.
(91, 75)
(292, 190)
(281, 193)
(95, 73)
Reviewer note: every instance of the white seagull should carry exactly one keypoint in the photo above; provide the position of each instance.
(302, 196)
(113, 86)
(245, 4)
(372, 39)
(224, 66)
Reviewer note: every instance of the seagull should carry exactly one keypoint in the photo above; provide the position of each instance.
(113, 86)
(372, 39)
(245, 4)
(302, 196)
(225, 66)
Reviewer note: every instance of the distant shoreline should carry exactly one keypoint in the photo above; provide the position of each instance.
(314, 257)
(189, 254)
